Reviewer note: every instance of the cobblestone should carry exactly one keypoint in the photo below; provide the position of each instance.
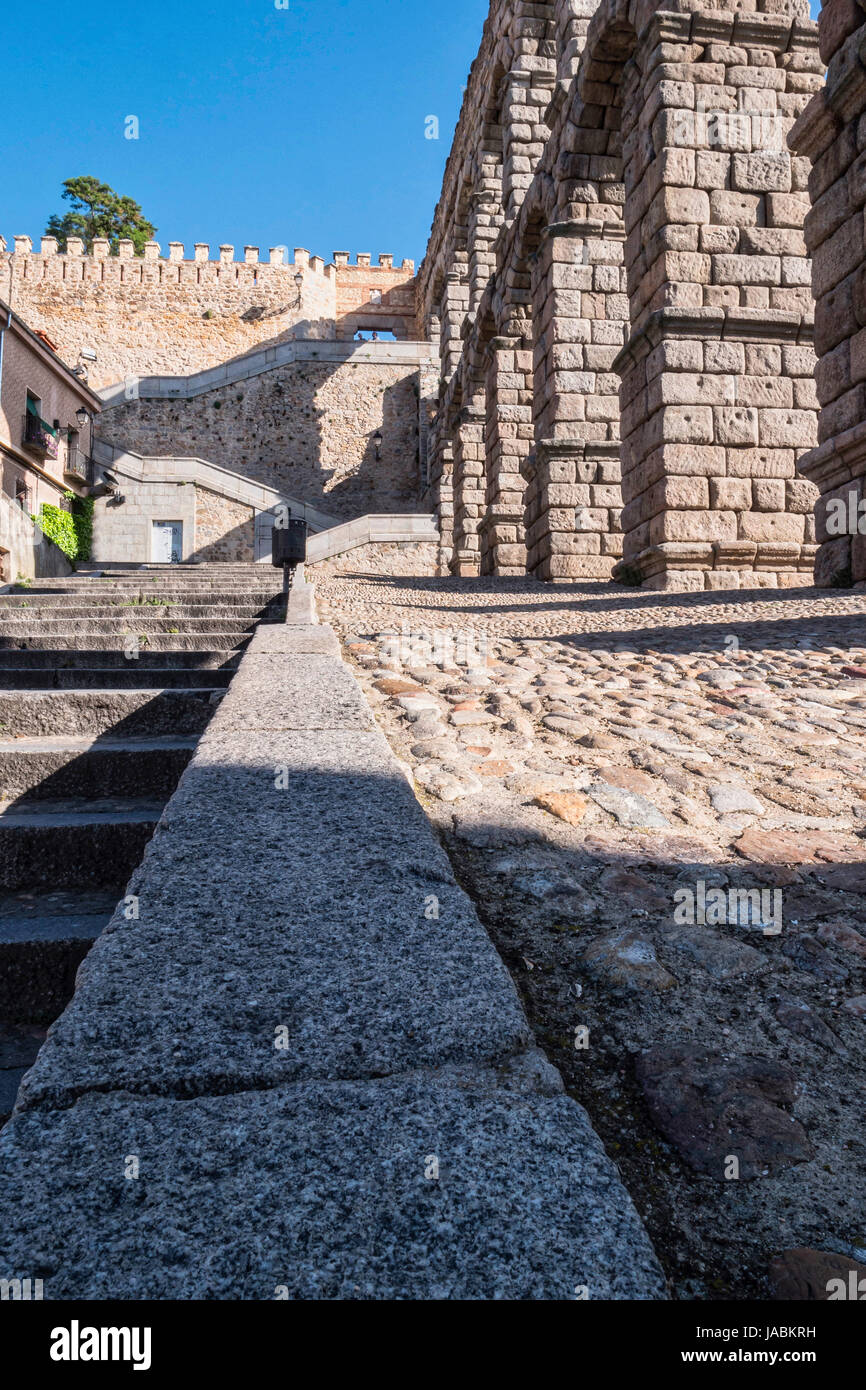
(724, 921)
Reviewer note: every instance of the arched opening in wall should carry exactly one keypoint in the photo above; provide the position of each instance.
(487, 200)
(469, 452)
(531, 287)
(581, 318)
(366, 333)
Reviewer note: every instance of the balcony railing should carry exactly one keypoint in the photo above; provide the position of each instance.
(39, 436)
(78, 465)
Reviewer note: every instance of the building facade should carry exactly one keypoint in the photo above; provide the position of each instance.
(47, 418)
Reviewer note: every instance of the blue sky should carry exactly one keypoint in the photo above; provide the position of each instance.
(260, 126)
(302, 125)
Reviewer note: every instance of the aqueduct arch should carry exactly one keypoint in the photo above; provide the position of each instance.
(671, 377)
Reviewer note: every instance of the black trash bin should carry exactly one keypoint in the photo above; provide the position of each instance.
(289, 543)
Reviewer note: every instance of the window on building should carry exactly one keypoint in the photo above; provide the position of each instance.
(39, 435)
(23, 495)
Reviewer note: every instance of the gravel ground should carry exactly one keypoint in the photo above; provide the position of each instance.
(658, 805)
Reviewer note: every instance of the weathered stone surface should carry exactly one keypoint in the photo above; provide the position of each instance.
(320, 1192)
(315, 692)
(798, 1017)
(630, 808)
(719, 955)
(712, 1107)
(814, 1276)
(625, 959)
(229, 949)
(567, 806)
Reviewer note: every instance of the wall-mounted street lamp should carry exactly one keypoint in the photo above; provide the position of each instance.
(378, 441)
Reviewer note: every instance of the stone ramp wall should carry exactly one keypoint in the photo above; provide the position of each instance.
(24, 550)
(302, 1070)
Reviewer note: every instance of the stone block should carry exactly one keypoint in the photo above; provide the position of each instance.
(693, 526)
(319, 1192)
(756, 526)
(762, 173)
(787, 428)
(229, 949)
(768, 495)
(730, 494)
(735, 425)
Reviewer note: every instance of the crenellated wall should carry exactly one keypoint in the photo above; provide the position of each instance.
(155, 314)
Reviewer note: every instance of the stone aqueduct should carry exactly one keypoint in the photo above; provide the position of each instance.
(619, 286)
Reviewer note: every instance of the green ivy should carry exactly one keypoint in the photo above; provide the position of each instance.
(82, 515)
(71, 530)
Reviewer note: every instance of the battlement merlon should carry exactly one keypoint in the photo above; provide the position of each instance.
(278, 255)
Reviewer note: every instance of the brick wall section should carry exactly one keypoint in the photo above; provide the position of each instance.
(377, 297)
(166, 315)
(831, 133)
(307, 429)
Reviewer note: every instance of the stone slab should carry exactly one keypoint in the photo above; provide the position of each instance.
(306, 640)
(339, 921)
(319, 1192)
(275, 692)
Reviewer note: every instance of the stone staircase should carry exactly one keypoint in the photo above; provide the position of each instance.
(306, 1047)
(107, 679)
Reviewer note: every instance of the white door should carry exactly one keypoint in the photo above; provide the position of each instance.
(264, 537)
(167, 544)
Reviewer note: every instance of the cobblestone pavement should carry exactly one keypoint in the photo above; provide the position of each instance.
(658, 804)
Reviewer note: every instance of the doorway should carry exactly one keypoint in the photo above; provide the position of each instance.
(167, 542)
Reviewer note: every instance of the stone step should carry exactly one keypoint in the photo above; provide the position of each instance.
(19, 1044)
(70, 659)
(74, 843)
(55, 587)
(110, 678)
(44, 936)
(128, 713)
(123, 624)
(49, 610)
(59, 768)
(115, 642)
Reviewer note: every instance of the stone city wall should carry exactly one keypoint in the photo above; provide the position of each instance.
(154, 314)
(399, 558)
(307, 429)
